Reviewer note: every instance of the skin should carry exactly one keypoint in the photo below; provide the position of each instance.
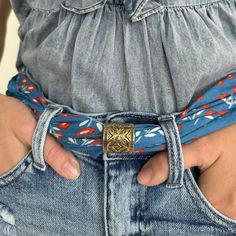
(19, 134)
(213, 154)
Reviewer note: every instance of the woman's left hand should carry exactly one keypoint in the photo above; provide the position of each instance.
(215, 156)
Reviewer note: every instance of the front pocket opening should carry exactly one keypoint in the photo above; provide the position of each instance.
(204, 205)
(17, 170)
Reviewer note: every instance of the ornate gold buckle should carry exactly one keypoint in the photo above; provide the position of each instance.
(118, 137)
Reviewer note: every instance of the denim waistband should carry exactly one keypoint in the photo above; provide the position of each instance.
(104, 134)
(217, 102)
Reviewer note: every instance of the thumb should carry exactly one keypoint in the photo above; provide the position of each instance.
(61, 160)
(199, 153)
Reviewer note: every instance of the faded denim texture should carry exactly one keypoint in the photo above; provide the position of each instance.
(91, 56)
(107, 199)
(121, 60)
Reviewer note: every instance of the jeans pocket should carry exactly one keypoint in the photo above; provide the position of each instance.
(204, 205)
(17, 170)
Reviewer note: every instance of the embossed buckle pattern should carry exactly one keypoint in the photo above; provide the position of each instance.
(118, 137)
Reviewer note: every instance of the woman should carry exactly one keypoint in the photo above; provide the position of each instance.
(117, 56)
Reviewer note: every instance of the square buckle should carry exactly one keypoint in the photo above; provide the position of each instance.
(118, 137)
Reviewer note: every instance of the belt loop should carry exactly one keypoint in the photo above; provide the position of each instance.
(39, 135)
(175, 154)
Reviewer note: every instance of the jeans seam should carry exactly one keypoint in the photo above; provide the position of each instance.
(17, 171)
(205, 205)
(162, 8)
(170, 144)
(193, 5)
(83, 10)
(178, 150)
(145, 207)
(108, 192)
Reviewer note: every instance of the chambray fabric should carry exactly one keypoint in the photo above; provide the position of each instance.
(117, 61)
(91, 56)
(210, 112)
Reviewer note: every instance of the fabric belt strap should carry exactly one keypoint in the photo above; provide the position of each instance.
(210, 112)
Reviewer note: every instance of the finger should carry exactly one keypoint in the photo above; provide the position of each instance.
(199, 153)
(61, 160)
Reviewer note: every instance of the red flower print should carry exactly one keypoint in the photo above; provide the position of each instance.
(85, 131)
(65, 114)
(98, 136)
(222, 112)
(64, 125)
(42, 100)
(223, 95)
(183, 114)
(30, 87)
(59, 134)
(210, 112)
(179, 127)
(234, 89)
(200, 98)
(205, 106)
(25, 80)
(219, 83)
(96, 143)
(68, 114)
(33, 109)
(35, 112)
(139, 150)
(230, 76)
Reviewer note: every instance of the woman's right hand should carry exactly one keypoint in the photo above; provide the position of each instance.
(17, 125)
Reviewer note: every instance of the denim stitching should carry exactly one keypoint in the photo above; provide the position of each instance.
(40, 135)
(134, 115)
(179, 157)
(108, 193)
(167, 7)
(171, 161)
(172, 173)
(209, 209)
(16, 172)
(139, 17)
(83, 10)
(174, 179)
(178, 153)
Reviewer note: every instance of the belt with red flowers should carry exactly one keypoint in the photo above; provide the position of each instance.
(77, 131)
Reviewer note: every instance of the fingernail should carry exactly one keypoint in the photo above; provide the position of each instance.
(145, 175)
(71, 169)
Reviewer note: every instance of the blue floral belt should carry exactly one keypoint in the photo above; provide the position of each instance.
(210, 112)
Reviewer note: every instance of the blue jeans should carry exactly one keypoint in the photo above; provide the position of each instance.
(120, 56)
(106, 199)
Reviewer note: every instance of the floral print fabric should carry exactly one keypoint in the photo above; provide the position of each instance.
(210, 112)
